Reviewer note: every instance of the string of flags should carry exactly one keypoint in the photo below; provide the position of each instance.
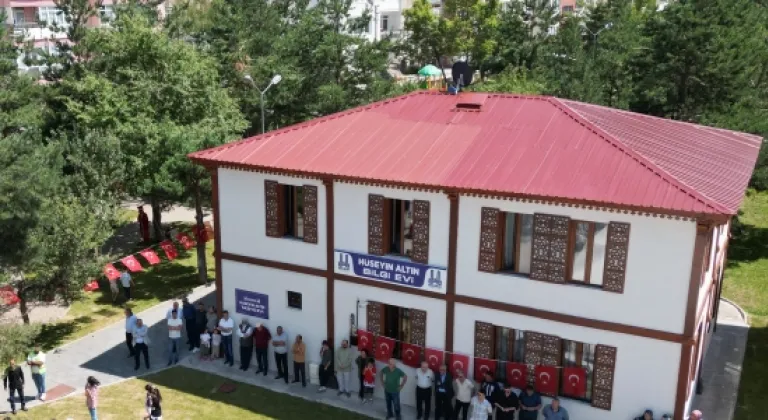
(544, 378)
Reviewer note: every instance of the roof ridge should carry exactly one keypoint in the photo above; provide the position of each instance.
(638, 157)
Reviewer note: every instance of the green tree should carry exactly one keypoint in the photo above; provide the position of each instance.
(524, 27)
(17, 341)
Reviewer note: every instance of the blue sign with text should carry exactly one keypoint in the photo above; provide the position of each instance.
(392, 270)
(252, 303)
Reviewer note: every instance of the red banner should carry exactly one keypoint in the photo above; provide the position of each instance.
(201, 234)
(132, 264)
(185, 240)
(170, 250)
(91, 286)
(410, 354)
(517, 374)
(458, 362)
(365, 341)
(434, 358)
(575, 382)
(150, 255)
(483, 366)
(8, 295)
(111, 272)
(546, 380)
(384, 348)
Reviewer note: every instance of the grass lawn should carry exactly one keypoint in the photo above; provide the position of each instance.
(166, 280)
(746, 283)
(190, 394)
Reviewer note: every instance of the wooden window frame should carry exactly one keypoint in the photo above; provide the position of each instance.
(572, 227)
(275, 211)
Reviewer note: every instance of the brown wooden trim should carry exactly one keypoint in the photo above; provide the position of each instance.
(330, 239)
(590, 250)
(389, 286)
(518, 236)
(571, 250)
(311, 271)
(682, 379)
(694, 282)
(217, 238)
(453, 239)
(573, 320)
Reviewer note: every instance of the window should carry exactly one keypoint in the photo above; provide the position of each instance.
(51, 16)
(517, 236)
(578, 355)
(384, 23)
(294, 300)
(405, 325)
(107, 14)
(509, 346)
(401, 227)
(587, 252)
(398, 227)
(567, 9)
(291, 211)
(397, 325)
(18, 16)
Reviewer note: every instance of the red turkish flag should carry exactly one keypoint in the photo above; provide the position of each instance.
(201, 234)
(150, 255)
(384, 348)
(575, 382)
(170, 250)
(410, 354)
(546, 380)
(365, 341)
(8, 295)
(434, 358)
(185, 240)
(458, 362)
(517, 374)
(111, 272)
(132, 264)
(91, 286)
(482, 366)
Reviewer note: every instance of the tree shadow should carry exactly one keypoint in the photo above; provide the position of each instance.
(751, 403)
(749, 243)
(52, 335)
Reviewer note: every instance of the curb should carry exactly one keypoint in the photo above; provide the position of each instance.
(742, 312)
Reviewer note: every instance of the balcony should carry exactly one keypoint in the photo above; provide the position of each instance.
(34, 31)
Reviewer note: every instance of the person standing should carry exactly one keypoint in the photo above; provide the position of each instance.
(362, 362)
(155, 399)
(143, 220)
(130, 324)
(174, 307)
(140, 343)
(553, 411)
(36, 361)
(13, 382)
(174, 336)
(188, 310)
(299, 351)
(479, 407)
(261, 337)
(127, 282)
(325, 365)
(280, 345)
(443, 394)
(211, 319)
(697, 415)
(200, 321)
(245, 334)
(424, 380)
(92, 396)
(227, 327)
(530, 404)
(345, 357)
(491, 389)
(394, 380)
(506, 403)
(115, 289)
(464, 388)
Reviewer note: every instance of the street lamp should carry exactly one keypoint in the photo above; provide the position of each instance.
(275, 80)
(608, 25)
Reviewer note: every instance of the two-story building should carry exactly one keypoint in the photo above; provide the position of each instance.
(570, 246)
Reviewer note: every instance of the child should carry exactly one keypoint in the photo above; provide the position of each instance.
(369, 382)
(215, 343)
(205, 346)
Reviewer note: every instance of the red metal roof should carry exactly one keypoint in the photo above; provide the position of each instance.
(540, 147)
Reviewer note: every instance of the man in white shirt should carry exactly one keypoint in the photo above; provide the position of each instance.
(130, 324)
(140, 342)
(127, 282)
(174, 335)
(280, 345)
(175, 307)
(464, 388)
(227, 326)
(424, 379)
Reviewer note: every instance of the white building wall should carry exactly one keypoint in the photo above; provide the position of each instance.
(243, 220)
(351, 212)
(351, 298)
(645, 376)
(309, 321)
(657, 276)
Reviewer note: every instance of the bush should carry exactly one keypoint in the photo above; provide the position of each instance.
(17, 340)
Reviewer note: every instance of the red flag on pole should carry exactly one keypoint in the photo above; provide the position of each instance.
(517, 374)
(575, 382)
(410, 354)
(91, 286)
(546, 380)
(384, 348)
(434, 358)
(132, 263)
(185, 240)
(482, 366)
(8, 295)
(365, 341)
(170, 250)
(150, 255)
(111, 272)
(458, 362)
(201, 234)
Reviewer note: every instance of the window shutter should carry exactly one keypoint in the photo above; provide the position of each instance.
(420, 251)
(550, 248)
(310, 213)
(418, 327)
(552, 350)
(534, 346)
(616, 251)
(373, 318)
(489, 239)
(602, 388)
(272, 208)
(484, 340)
(376, 244)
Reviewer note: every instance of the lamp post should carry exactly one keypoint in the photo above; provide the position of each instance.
(595, 34)
(275, 80)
